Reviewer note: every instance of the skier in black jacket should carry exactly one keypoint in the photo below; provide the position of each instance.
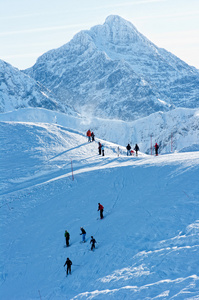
(83, 234)
(156, 149)
(69, 264)
(92, 242)
(136, 149)
(128, 148)
(67, 236)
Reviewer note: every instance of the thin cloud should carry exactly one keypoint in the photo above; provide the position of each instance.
(30, 15)
(172, 15)
(139, 2)
(42, 29)
(122, 4)
(5, 57)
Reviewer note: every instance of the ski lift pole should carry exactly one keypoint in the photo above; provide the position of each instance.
(72, 169)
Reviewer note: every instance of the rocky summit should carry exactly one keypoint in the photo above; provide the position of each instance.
(113, 71)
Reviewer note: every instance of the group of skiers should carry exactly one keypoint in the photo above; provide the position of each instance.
(130, 151)
(136, 148)
(91, 136)
(83, 233)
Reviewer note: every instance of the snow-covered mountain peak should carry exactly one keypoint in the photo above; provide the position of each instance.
(101, 71)
(117, 31)
(115, 22)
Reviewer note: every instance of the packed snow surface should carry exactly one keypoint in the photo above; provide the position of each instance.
(176, 130)
(147, 244)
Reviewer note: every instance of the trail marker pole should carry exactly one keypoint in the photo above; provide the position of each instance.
(72, 169)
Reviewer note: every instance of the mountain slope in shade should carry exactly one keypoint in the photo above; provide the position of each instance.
(113, 71)
(18, 90)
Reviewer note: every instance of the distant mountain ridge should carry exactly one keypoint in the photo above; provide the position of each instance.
(113, 71)
(18, 90)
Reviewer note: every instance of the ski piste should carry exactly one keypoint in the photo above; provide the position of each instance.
(152, 226)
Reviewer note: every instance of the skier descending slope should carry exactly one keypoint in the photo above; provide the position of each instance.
(83, 234)
(92, 242)
(69, 264)
(67, 236)
(101, 209)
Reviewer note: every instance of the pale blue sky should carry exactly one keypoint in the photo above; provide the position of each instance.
(28, 28)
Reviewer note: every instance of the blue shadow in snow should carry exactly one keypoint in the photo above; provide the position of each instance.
(67, 151)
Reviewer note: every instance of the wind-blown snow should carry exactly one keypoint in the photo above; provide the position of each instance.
(147, 244)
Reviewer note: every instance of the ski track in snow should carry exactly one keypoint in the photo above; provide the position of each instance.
(147, 245)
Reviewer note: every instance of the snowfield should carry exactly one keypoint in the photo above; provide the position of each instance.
(177, 130)
(147, 244)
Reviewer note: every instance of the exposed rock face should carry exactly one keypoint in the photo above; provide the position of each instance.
(113, 71)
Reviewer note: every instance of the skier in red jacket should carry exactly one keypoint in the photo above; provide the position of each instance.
(89, 135)
(101, 209)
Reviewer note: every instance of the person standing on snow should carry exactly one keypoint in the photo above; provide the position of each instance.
(83, 234)
(101, 209)
(89, 135)
(118, 151)
(128, 148)
(100, 148)
(92, 242)
(136, 149)
(156, 149)
(92, 136)
(67, 236)
(69, 264)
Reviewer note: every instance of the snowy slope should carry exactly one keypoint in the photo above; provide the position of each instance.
(147, 245)
(113, 71)
(177, 130)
